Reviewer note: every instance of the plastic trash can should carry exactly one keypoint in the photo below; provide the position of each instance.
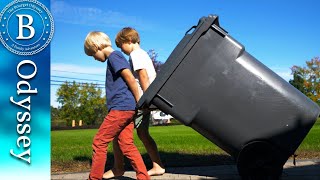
(211, 84)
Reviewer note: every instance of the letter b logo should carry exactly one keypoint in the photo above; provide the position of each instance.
(26, 27)
(21, 17)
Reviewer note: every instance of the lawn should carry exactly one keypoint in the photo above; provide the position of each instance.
(178, 145)
(310, 147)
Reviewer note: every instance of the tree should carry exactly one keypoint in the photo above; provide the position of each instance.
(298, 82)
(68, 97)
(92, 104)
(55, 117)
(307, 79)
(81, 102)
(153, 56)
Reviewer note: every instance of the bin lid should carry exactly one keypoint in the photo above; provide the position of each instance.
(175, 58)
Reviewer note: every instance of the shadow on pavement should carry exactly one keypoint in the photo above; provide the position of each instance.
(311, 171)
(216, 166)
(172, 160)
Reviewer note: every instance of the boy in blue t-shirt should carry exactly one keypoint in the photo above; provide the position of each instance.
(128, 39)
(122, 94)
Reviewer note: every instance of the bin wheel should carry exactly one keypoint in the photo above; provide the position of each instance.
(260, 160)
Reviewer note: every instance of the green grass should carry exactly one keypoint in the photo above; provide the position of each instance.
(311, 144)
(178, 145)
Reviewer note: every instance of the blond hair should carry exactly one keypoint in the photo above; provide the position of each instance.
(126, 35)
(95, 41)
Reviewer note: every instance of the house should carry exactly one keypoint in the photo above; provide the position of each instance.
(160, 118)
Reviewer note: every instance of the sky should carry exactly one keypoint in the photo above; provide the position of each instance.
(279, 33)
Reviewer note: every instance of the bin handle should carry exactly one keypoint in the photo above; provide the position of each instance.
(193, 27)
(210, 20)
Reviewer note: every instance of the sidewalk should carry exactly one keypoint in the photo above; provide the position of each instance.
(304, 170)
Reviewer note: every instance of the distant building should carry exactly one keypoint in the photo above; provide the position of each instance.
(160, 118)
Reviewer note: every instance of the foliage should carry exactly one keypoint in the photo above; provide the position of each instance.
(55, 117)
(68, 97)
(307, 79)
(153, 56)
(92, 105)
(80, 102)
(298, 82)
(54, 113)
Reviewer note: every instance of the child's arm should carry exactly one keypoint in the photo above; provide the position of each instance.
(143, 79)
(131, 82)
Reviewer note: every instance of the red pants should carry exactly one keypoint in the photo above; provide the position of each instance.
(116, 123)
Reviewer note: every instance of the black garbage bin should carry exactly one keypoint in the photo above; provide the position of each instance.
(211, 84)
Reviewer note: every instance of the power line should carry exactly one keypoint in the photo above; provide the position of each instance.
(59, 83)
(77, 78)
(55, 84)
(76, 82)
(79, 73)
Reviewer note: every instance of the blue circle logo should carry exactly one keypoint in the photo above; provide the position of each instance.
(26, 27)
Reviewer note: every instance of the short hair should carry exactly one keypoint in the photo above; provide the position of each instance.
(126, 35)
(95, 41)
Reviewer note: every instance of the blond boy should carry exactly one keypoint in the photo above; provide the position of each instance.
(122, 94)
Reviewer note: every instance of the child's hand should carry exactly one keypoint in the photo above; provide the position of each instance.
(137, 118)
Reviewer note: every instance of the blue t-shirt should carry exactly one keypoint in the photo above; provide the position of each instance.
(119, 96)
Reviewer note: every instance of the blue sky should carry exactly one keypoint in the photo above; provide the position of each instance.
(279, 33)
